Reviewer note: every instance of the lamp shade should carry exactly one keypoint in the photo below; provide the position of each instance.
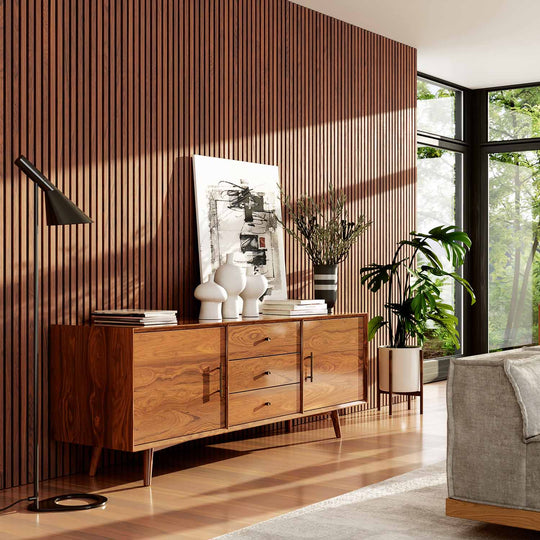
(61, 211)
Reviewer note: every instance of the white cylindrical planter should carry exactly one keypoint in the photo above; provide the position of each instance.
(405, 369)
(233, 279)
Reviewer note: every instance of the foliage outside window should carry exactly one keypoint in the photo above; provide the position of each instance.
(436, 109)
(436, 205)
(514, 255)
(514, 114)
(514, 219)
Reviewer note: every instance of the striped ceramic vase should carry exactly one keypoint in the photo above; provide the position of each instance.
(325, 282)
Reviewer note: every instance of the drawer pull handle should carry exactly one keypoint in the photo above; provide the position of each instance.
(267, 338)
(310, 376)
(268, 373)
(268, 404)
(220, 382)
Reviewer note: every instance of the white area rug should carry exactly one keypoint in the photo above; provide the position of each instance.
(408, 506)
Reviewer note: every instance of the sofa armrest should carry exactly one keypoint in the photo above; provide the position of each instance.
(487, 459)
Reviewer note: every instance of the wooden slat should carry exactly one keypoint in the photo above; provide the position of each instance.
(111, 99)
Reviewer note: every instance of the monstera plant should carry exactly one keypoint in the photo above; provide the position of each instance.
(411, 283)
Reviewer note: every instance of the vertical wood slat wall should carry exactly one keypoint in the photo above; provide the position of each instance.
(112, 98)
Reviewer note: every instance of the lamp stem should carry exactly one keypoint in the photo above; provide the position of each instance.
(36, 345)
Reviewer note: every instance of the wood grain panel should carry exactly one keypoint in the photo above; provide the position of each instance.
(337, 378)
(263, 339)
(177, 345)
(177, 382)
(245, 407)
(111, 100)
(331, 335)
(263, 372)
(91, 385)
(332, 371)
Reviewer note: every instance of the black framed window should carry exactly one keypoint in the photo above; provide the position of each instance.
(492, 152)
(513, 178)
(439, 109)
(514, 113)
(510, 175)
(502, 216)
(441, 160)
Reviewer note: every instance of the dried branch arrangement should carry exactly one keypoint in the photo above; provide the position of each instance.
(323, 229)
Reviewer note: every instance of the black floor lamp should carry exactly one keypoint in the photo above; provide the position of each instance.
(59, 211)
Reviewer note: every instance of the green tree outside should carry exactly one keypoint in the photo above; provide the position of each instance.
(514, 207)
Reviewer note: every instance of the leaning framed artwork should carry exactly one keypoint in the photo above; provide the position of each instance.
(239, 211)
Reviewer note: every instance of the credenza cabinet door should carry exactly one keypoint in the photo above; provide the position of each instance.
(333, 362)
(177, 382)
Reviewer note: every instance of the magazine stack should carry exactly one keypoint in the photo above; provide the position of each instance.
(133, 317)
(294, 308)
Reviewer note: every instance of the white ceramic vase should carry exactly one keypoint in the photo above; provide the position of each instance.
(212, 297)
(256, 285)
(233, 279)
(405, 369)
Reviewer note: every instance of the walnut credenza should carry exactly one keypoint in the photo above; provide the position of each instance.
(141, 389)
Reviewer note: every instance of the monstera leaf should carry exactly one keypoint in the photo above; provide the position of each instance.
(413, 299)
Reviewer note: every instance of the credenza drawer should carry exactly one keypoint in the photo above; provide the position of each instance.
(251, 340)
(263, 372)
(254, 405)
(172, 346)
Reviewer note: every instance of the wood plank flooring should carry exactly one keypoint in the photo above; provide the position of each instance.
(231, 485)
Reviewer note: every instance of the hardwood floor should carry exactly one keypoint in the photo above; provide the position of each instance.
(231, 485)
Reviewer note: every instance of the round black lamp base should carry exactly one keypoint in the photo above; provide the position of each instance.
(54, 504)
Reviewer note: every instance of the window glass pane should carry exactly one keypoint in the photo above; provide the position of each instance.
(438, 171)
(436, 109)
(514, 114)
(514, 262)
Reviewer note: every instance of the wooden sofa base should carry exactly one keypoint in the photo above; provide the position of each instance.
(149, 452)
(524, 519)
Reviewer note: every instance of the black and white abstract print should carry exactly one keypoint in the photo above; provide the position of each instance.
(238, 210)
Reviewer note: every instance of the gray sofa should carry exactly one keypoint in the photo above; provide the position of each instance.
(493, 453)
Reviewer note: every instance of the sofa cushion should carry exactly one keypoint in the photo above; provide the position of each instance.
(524, 375)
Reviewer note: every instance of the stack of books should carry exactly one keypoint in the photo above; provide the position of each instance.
(133, 317)
(294, 308)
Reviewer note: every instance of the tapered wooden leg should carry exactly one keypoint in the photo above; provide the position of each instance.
(94, 460)
(390, 383)
(409, 402)
(148, 466)
(289, 426)
(337, 426)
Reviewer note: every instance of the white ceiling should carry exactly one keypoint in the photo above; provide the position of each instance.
(474, 43)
